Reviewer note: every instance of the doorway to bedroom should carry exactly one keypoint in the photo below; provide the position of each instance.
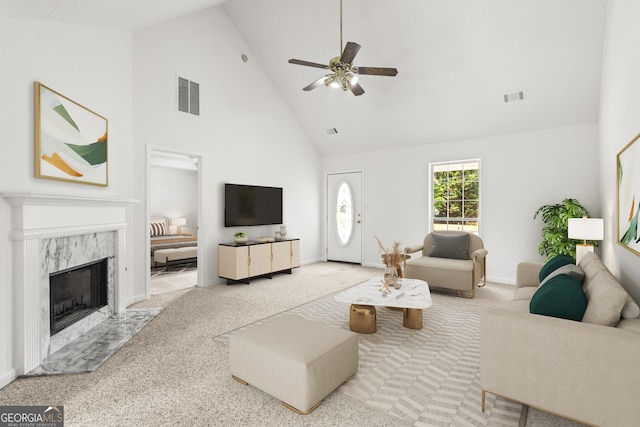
(173, 193)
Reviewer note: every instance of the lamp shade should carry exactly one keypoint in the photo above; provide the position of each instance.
(586, 228)
(179, 221)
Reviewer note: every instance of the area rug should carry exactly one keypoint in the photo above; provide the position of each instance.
(429, 377)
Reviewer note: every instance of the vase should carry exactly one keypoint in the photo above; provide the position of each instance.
(283, 231)
(390, 277)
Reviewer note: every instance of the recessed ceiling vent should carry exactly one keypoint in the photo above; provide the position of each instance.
(514, 96)
(332, 131)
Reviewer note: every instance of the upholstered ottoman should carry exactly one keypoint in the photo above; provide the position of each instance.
(166, 256)
(295, 360)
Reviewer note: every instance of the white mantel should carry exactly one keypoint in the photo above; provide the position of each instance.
(54, 215)
(36, 218)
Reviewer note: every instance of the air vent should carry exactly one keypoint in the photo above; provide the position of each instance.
(514, 96)
(332, 131)
(188, 96)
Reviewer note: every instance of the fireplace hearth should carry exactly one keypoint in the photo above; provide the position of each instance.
(77, 292)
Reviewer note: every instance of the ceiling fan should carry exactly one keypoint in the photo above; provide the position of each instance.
(343, 73)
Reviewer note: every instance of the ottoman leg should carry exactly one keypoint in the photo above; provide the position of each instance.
(239, 380)
(412, 318)
(299, 412)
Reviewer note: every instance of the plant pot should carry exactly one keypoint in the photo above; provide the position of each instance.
(240, 239)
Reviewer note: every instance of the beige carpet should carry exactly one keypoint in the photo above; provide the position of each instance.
(172, 372)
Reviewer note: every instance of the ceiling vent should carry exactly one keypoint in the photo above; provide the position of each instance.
(514, 96)
(188, 96)
(332, 131)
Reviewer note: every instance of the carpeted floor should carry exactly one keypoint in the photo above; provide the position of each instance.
(173, 372)
(174, 278)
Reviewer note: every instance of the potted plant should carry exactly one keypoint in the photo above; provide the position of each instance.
(555, 238)
(240, 237)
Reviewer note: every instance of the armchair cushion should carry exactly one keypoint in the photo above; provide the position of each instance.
(455, 246)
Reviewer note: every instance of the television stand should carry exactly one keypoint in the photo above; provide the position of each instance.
(241, 262)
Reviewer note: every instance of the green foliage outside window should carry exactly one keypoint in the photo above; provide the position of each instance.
(456, 194)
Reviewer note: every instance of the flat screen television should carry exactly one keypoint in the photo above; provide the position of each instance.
(252, 205)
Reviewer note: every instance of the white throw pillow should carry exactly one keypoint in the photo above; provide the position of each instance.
(631, 310)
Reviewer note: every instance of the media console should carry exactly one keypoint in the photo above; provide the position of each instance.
(239, 262)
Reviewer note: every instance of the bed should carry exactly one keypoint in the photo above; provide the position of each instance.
(161, 239)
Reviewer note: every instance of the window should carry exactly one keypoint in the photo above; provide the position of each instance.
(456, 195)
(344, 214)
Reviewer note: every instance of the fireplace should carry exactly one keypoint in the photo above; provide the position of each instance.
(52, 233)
(77, 292)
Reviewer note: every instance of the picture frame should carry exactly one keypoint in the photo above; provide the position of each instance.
(628, 195)
(71, 141)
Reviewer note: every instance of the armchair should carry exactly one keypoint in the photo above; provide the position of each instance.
(450, 259)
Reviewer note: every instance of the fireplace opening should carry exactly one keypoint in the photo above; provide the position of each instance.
(77, 292)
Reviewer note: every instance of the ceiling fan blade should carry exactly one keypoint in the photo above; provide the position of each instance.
(349, 53)
(378, 71)
(357, 89)
(308, 64)
(315, 84)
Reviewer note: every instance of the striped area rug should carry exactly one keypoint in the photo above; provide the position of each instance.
(430, 377)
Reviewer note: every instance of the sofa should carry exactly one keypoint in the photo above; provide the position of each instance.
(448, 259)
(587, 370)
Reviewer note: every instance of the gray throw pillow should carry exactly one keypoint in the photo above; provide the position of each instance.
(569, 269)
(454, 245)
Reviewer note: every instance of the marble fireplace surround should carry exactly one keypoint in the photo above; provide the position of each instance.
(50, 233)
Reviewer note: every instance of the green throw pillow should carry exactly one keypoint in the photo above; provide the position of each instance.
(562, 296)
(554, 263)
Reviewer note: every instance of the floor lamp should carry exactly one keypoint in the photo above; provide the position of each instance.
(585, 229)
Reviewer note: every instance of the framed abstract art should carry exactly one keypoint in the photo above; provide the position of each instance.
(628, 179)
(70, 140)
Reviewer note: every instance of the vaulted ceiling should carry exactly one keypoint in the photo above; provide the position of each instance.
(456, 60)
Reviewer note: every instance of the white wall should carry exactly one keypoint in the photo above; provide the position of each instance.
(173, 194)
(90, 65)
(245, 134)
(519, 173)
(619, 112)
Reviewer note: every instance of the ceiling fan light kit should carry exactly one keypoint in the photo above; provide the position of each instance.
(344, 74)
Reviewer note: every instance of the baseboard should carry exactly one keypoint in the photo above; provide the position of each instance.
(504, 280)
(374, 265)
(7, 378)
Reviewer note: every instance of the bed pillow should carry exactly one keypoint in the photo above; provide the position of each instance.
(158, 227)
(447, 245)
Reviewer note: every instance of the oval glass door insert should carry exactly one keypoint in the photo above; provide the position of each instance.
(344, 214)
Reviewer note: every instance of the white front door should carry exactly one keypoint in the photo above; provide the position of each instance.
(344, 217)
